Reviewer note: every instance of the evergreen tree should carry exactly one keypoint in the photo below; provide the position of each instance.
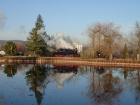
(10, 48)
(125, 51)
(34, 42)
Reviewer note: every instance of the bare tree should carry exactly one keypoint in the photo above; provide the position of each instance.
(135, 39)
(137, 33)
(104, 38)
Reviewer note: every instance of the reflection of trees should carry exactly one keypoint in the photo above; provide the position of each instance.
(35, 77)
(104, 89)
(125, 72)
(136, 82)
(132, 78)
(84, 69)
(100, 70)
(137, 97)
(10, 70)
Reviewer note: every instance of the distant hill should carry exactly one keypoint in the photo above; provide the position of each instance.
(3, 42)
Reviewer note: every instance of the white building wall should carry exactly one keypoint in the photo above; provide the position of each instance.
(78, 46)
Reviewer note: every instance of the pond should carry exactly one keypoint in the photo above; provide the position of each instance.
(48, 84)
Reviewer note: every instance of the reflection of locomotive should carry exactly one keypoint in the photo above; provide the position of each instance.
(66, 53)
(66, 68)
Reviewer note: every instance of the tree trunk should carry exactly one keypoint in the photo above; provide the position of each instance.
(34, 53)
(110, 56)
(138, 57)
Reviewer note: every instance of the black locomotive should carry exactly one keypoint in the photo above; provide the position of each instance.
(66, 53)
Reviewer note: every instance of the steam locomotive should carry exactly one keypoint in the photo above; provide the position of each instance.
(66, 53)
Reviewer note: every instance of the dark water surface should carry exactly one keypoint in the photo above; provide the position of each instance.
(28, 84)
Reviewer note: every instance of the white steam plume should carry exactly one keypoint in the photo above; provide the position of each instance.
(58, 42)
(50, 43)
(61, 43)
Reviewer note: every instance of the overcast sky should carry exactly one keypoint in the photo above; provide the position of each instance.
(71, 17)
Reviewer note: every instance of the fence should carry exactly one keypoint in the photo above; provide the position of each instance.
(70, 61)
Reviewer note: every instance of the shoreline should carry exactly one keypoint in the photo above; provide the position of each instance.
(71, 61)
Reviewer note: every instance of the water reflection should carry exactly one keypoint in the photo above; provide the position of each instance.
(10, 70)
(78, 84)
(133, 77)
(63, 73)
(40, 75)
(104, 88)
(35, 78)
(99, 70)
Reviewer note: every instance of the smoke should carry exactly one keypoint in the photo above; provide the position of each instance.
(60, 34)
(2, 20)
(62, 43)
(41, 31)
(46, 39)
(22, 30)
(58, 42)
(62, 77)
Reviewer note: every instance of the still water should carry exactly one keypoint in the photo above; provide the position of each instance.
(28, 84)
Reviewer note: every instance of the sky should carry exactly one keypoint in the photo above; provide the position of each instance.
(70, 17)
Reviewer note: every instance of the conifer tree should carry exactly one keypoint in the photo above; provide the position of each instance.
(10, 48)
(34, 42)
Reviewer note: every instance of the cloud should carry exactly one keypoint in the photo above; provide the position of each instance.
(21, 30)
(2, 20)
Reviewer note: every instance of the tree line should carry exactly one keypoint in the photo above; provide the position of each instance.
(106, 41)
(35, 45)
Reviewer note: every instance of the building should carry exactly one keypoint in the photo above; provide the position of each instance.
(78, 46)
